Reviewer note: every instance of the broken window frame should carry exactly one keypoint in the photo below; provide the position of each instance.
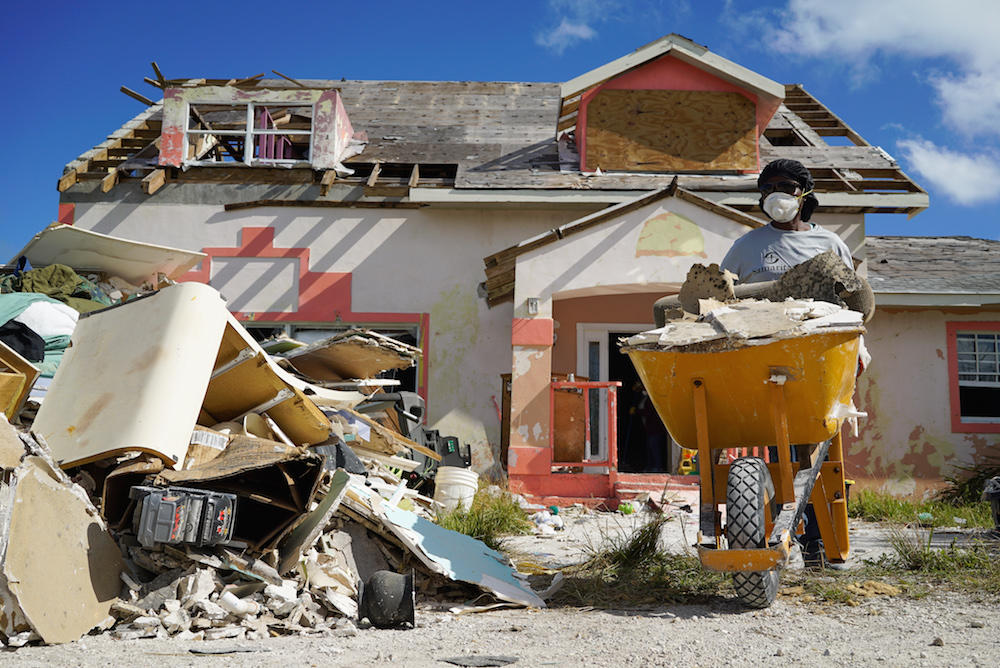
(984, 371)
(249, 134)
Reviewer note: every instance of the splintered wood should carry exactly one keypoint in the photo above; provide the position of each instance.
(671, 130)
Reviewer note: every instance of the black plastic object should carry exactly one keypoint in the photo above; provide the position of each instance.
(453, 452)
(991, 493)
(387, 600)
(175, 515)
(338, 455)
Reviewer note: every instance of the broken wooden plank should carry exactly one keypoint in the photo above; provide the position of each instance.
(329, 176)
(152, 82)
(373, 177)
(137, 96)
(154, 181)
(283, 76)
(240, 82)
(159, 74)
(414, 176)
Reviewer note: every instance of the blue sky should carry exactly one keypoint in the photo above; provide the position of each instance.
(920, 78)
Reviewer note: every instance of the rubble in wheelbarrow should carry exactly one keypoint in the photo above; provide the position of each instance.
(190, 487)
(720, 321)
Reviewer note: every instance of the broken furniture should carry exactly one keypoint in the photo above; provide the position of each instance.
(745, 376)
(356, 354)
(17, 375)
(167, 362)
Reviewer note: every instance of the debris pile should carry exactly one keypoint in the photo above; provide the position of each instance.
(176, 479)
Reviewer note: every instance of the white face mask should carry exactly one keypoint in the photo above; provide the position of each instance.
(781, 207)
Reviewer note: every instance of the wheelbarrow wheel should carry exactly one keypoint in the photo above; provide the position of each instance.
(748, 491)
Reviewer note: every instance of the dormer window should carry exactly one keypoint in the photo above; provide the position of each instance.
(207, 126)
(253, 133)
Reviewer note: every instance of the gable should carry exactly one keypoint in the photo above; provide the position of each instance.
(670, 116)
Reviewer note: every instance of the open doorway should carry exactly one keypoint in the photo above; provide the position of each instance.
(644, 446)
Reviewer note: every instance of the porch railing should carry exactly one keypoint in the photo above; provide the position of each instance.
(587, 386)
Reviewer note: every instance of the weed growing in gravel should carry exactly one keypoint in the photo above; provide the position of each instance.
(632, 570)
(881, 507)
(972, 567)
(494, 514)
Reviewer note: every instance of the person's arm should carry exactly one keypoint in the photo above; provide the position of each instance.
(732, 260)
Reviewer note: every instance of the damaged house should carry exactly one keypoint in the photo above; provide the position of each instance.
(321, 205)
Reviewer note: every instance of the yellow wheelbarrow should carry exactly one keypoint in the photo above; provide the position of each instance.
(730, 405)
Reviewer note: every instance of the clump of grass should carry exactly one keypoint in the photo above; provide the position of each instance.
(881, 507)
(965, 484)
(972, 567)
(493, 515)
(631, 570)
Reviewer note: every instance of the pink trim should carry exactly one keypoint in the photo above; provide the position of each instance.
(666, 73)
(67, 214)
(531, 331)
(323, 296)
(957, 426)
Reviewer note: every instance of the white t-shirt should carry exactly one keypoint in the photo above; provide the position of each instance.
(764, 254)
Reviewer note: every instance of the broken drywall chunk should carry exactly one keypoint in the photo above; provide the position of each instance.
(11, 447)
(706, 283)
(61, 566)
(197, 587)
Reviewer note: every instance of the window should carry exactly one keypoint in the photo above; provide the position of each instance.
(974, 365)
(252, 134)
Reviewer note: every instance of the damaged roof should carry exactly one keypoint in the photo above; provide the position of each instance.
(480, 136)
(934, 265)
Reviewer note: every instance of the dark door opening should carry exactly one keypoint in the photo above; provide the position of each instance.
(643, 442)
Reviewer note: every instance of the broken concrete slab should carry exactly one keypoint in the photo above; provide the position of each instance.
(60, 566)
(84, 250)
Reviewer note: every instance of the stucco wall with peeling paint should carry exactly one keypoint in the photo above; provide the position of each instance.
(907, 444)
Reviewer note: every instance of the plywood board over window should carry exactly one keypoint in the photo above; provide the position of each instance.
(671, 130)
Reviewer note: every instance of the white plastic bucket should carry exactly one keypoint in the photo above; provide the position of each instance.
(454, 486)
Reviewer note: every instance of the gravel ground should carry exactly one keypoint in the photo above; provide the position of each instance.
(942, 629)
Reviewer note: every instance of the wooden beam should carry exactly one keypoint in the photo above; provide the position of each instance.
(137, 96)
(329, 176)
(154, 181)
(414, 176)
(109, 181)
(297, 83)
(152, 82)
(373, 177)
(247, 80)
(159, 74)
(67, 181)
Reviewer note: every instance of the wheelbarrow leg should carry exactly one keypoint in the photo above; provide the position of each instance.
(791, 513)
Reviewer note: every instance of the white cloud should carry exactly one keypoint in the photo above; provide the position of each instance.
(967, 179)
(963, 34)
(565, 35)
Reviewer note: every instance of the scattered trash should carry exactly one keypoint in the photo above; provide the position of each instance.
(481, 660)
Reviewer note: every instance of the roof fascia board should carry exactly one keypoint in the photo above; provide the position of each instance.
(685, 50)
(728, 198)
(937, 299)
(833, 200)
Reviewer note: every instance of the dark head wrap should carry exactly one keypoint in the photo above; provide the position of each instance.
(797, 172)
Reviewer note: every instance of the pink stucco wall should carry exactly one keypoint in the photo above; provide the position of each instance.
(908, 444)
